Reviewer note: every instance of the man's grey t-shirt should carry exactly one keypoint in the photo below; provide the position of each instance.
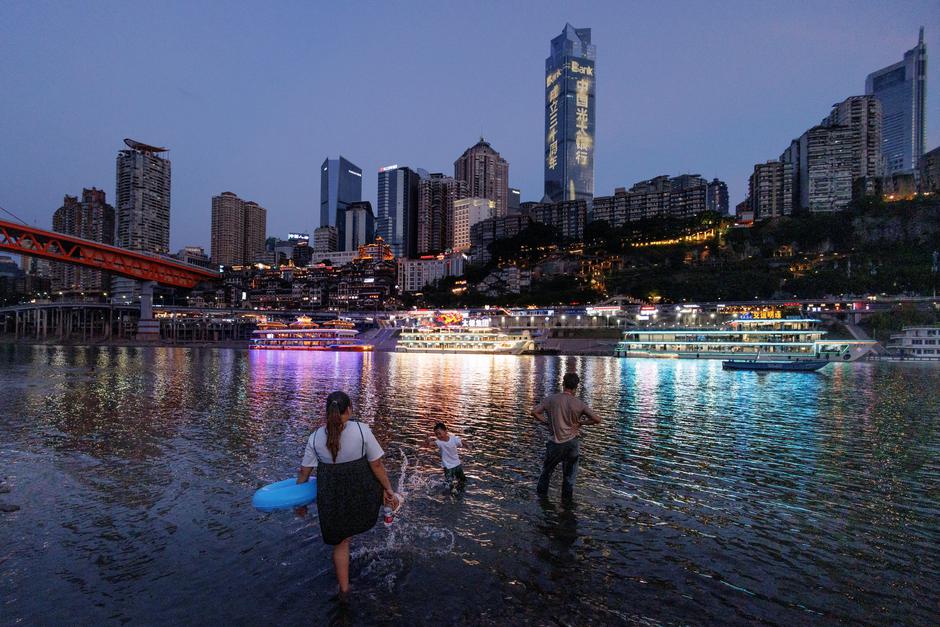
(564, 412)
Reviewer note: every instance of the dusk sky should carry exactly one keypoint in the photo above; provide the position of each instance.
(251, 97)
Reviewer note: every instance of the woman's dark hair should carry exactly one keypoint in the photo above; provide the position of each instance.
(440, 426)
(336, 405)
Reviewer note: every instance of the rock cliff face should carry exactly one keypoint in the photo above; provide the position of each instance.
(919, 227)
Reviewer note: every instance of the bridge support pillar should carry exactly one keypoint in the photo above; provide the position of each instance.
(148, 329)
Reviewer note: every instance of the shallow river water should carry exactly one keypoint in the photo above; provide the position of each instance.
(705, 496)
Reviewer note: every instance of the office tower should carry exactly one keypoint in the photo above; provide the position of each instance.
(436, 196)
(325, 239)
(396, 221)
(569, 116)
(863, 115)
(467, 212)
(826, 162)
(515, 199)
(340, 184)
(486, 175)
(716, 197)
(238, 230)
(902, 90)
(769, 190)
(89, 218)
(357, 225)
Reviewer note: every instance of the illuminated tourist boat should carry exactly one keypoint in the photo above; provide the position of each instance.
(305, 335)
(464, 339)
(770, 339)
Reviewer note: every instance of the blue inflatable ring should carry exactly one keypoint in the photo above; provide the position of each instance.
(285, 494)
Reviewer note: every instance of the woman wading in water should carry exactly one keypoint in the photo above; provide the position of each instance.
(350, 480)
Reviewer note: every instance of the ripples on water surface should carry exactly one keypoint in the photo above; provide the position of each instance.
(706, 496)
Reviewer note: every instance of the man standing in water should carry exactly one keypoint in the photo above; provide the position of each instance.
(565, 410)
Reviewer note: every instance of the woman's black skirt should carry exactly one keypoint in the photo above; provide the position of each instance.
(348, 499)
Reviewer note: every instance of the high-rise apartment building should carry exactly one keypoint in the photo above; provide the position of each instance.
(568, 217)
(436, 196)
(791, 157)
(357, 226)
(485, 232)
(716, 197)
(239, 229)
(397, 219)
(467, 212)
(340, 184)
(682, 196)
(89, 218)
(143, 199)
(256, 230)
(142, 207)
(902, 90)
(826, 165)
(769, 190)
(863, 115)
(569, 116)
(325, 239)
(486, 174)
(415, 274)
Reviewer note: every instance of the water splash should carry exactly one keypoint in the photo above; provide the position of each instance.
(407, 538)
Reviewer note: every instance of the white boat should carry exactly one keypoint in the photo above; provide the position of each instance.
(916, 343)
(463, 339)
(305, 335)
(776, 339)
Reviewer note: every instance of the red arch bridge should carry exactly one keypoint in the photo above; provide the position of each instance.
(27, 240)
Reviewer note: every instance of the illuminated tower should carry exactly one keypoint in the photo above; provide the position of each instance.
(569, 116)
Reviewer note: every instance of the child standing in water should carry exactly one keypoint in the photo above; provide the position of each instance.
(448, 444)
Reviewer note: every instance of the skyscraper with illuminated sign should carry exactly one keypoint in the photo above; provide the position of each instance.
(569, 116)
(340, 185)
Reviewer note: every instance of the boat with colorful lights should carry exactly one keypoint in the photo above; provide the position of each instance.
(461, 339)
(779, 339)
(449, 332)
(306, 335)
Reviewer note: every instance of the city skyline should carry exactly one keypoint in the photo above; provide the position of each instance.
(725, 142)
